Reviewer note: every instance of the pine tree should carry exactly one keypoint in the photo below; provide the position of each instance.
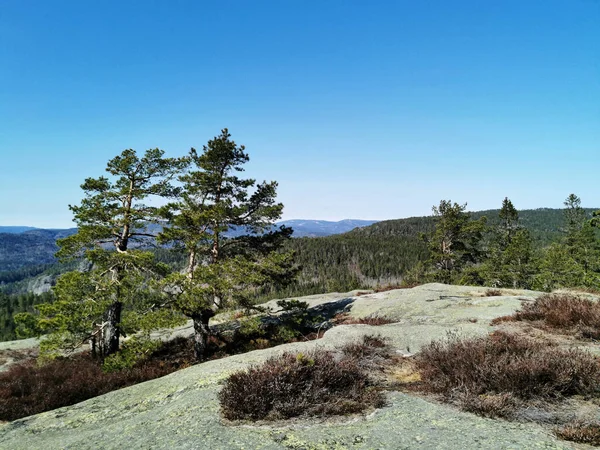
(112, 224)
(511, 262)
(574, 261)
(509, 223)
(574, 215)
(582, 242)
(454, 243)
(222, 272)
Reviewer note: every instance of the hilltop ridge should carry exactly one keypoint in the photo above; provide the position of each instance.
(181, 410)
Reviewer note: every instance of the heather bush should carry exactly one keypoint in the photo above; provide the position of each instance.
(27, 388)
(502, 364)
(493, 293)
(563, 312)
(585, 433)
(319, 383)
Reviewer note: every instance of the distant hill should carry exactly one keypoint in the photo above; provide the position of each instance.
(33, 247)
(314, 228)
(14, 229)
(383, 252)
(28, 246)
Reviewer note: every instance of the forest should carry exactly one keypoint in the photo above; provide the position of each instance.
(368, 257)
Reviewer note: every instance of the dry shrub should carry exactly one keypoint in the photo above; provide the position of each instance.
(391, 287)
(504, 363)
(27, 389)
(361, 293)
(585, 433)
(308, 337)
(346, 319)
(592, 333)
(370, 348)
(501, 319)
(489, 405)
(319, 383)
(565, 312)
(493, 293)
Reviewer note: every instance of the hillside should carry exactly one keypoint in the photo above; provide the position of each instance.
(382, 253)
(181, 410)
(29, 248)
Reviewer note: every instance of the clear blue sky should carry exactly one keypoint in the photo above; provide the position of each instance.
(360, 109)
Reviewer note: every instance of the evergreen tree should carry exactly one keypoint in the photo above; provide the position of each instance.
(511, 261)
(574, 261)
(582, 242)
(454, 243)
(223, 272)
(558, 269)
(112, 224)
(574, 214)
(509, 223)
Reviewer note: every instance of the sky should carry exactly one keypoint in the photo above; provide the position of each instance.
(359, 109)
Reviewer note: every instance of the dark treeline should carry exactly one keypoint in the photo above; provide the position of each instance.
(545, 225)
(13, 304)
(12, 276)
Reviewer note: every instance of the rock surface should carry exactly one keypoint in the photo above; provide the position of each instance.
(181, 410)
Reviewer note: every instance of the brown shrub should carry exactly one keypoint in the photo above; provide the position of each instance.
(489, 405)
(501, 319)
(345, 319)
(391, 287)
(564, 312)
(580, 432)
(314, 384)
(369, 348)
(493, 293)
(361, 293)
(388, 287)
(506, 364)
(27, 389)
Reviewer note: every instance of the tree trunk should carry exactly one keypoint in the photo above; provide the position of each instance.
(112, 331)
(201, 333)
(191, 263)
(93, 348)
